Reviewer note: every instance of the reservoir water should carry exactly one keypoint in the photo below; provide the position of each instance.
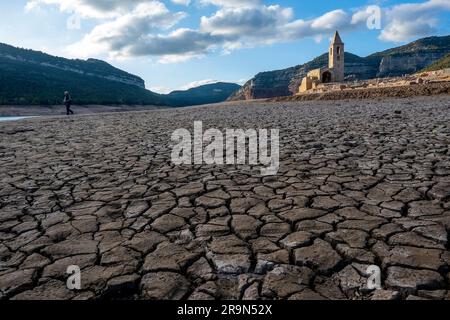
(12, 118)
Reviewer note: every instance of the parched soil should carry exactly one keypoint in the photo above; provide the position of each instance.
(361, 183)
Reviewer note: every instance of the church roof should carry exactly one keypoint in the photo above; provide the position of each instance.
(337, 38)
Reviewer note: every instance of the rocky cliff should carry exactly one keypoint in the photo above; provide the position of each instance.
(397, 61)
(392, 66)
(443, 63)
(412, 57)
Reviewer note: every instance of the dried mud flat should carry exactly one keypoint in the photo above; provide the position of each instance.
(360, 183)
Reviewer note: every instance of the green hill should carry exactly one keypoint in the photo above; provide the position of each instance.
(29, 77)
(444, 63)
(33, 77)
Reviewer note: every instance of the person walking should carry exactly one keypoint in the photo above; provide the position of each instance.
(68, 103)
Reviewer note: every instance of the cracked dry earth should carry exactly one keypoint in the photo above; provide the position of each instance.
(360, 183)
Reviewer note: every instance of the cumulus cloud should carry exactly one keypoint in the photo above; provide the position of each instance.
(269, 24)
(247, 21)
(198, 83)
(160, 89)
(178, 43)
(330, 20)
(148, 28)
(318, 27)
(399, 31)
(89, 8)
(232, 3)
(182, 2)
(410, 20)
(127, 33)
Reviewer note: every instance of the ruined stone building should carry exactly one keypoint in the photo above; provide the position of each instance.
(333, 73)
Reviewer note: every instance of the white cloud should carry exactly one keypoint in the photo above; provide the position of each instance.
(128, 28)
(247, 21)
(89, 8)
(160, 89)
(179, 58)
(269, 24)
(178, 42)
(411, 20)
(198, 83)
(232, 3)
(330, 20)
(399, 31)
(126, 33)
(182, 2)
(360, 16)
(320, 26)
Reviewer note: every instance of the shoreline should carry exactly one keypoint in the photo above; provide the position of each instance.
(418, 90)
(27, 112)
(60, 110)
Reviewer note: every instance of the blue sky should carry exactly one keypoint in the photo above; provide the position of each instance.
(175, 44)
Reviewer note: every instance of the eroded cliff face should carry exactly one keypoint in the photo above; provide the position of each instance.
(286, 82)
(279, 83)
(398, 61)
(268, 84)
(398, 65)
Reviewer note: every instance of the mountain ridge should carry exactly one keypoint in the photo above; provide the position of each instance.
(90, 67)
(37, 78)
(397, 61)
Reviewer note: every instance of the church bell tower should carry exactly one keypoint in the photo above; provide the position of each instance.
(336, 58)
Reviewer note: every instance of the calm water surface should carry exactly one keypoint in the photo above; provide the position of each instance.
(13, 118)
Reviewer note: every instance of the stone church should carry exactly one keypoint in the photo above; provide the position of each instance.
(333, 73)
